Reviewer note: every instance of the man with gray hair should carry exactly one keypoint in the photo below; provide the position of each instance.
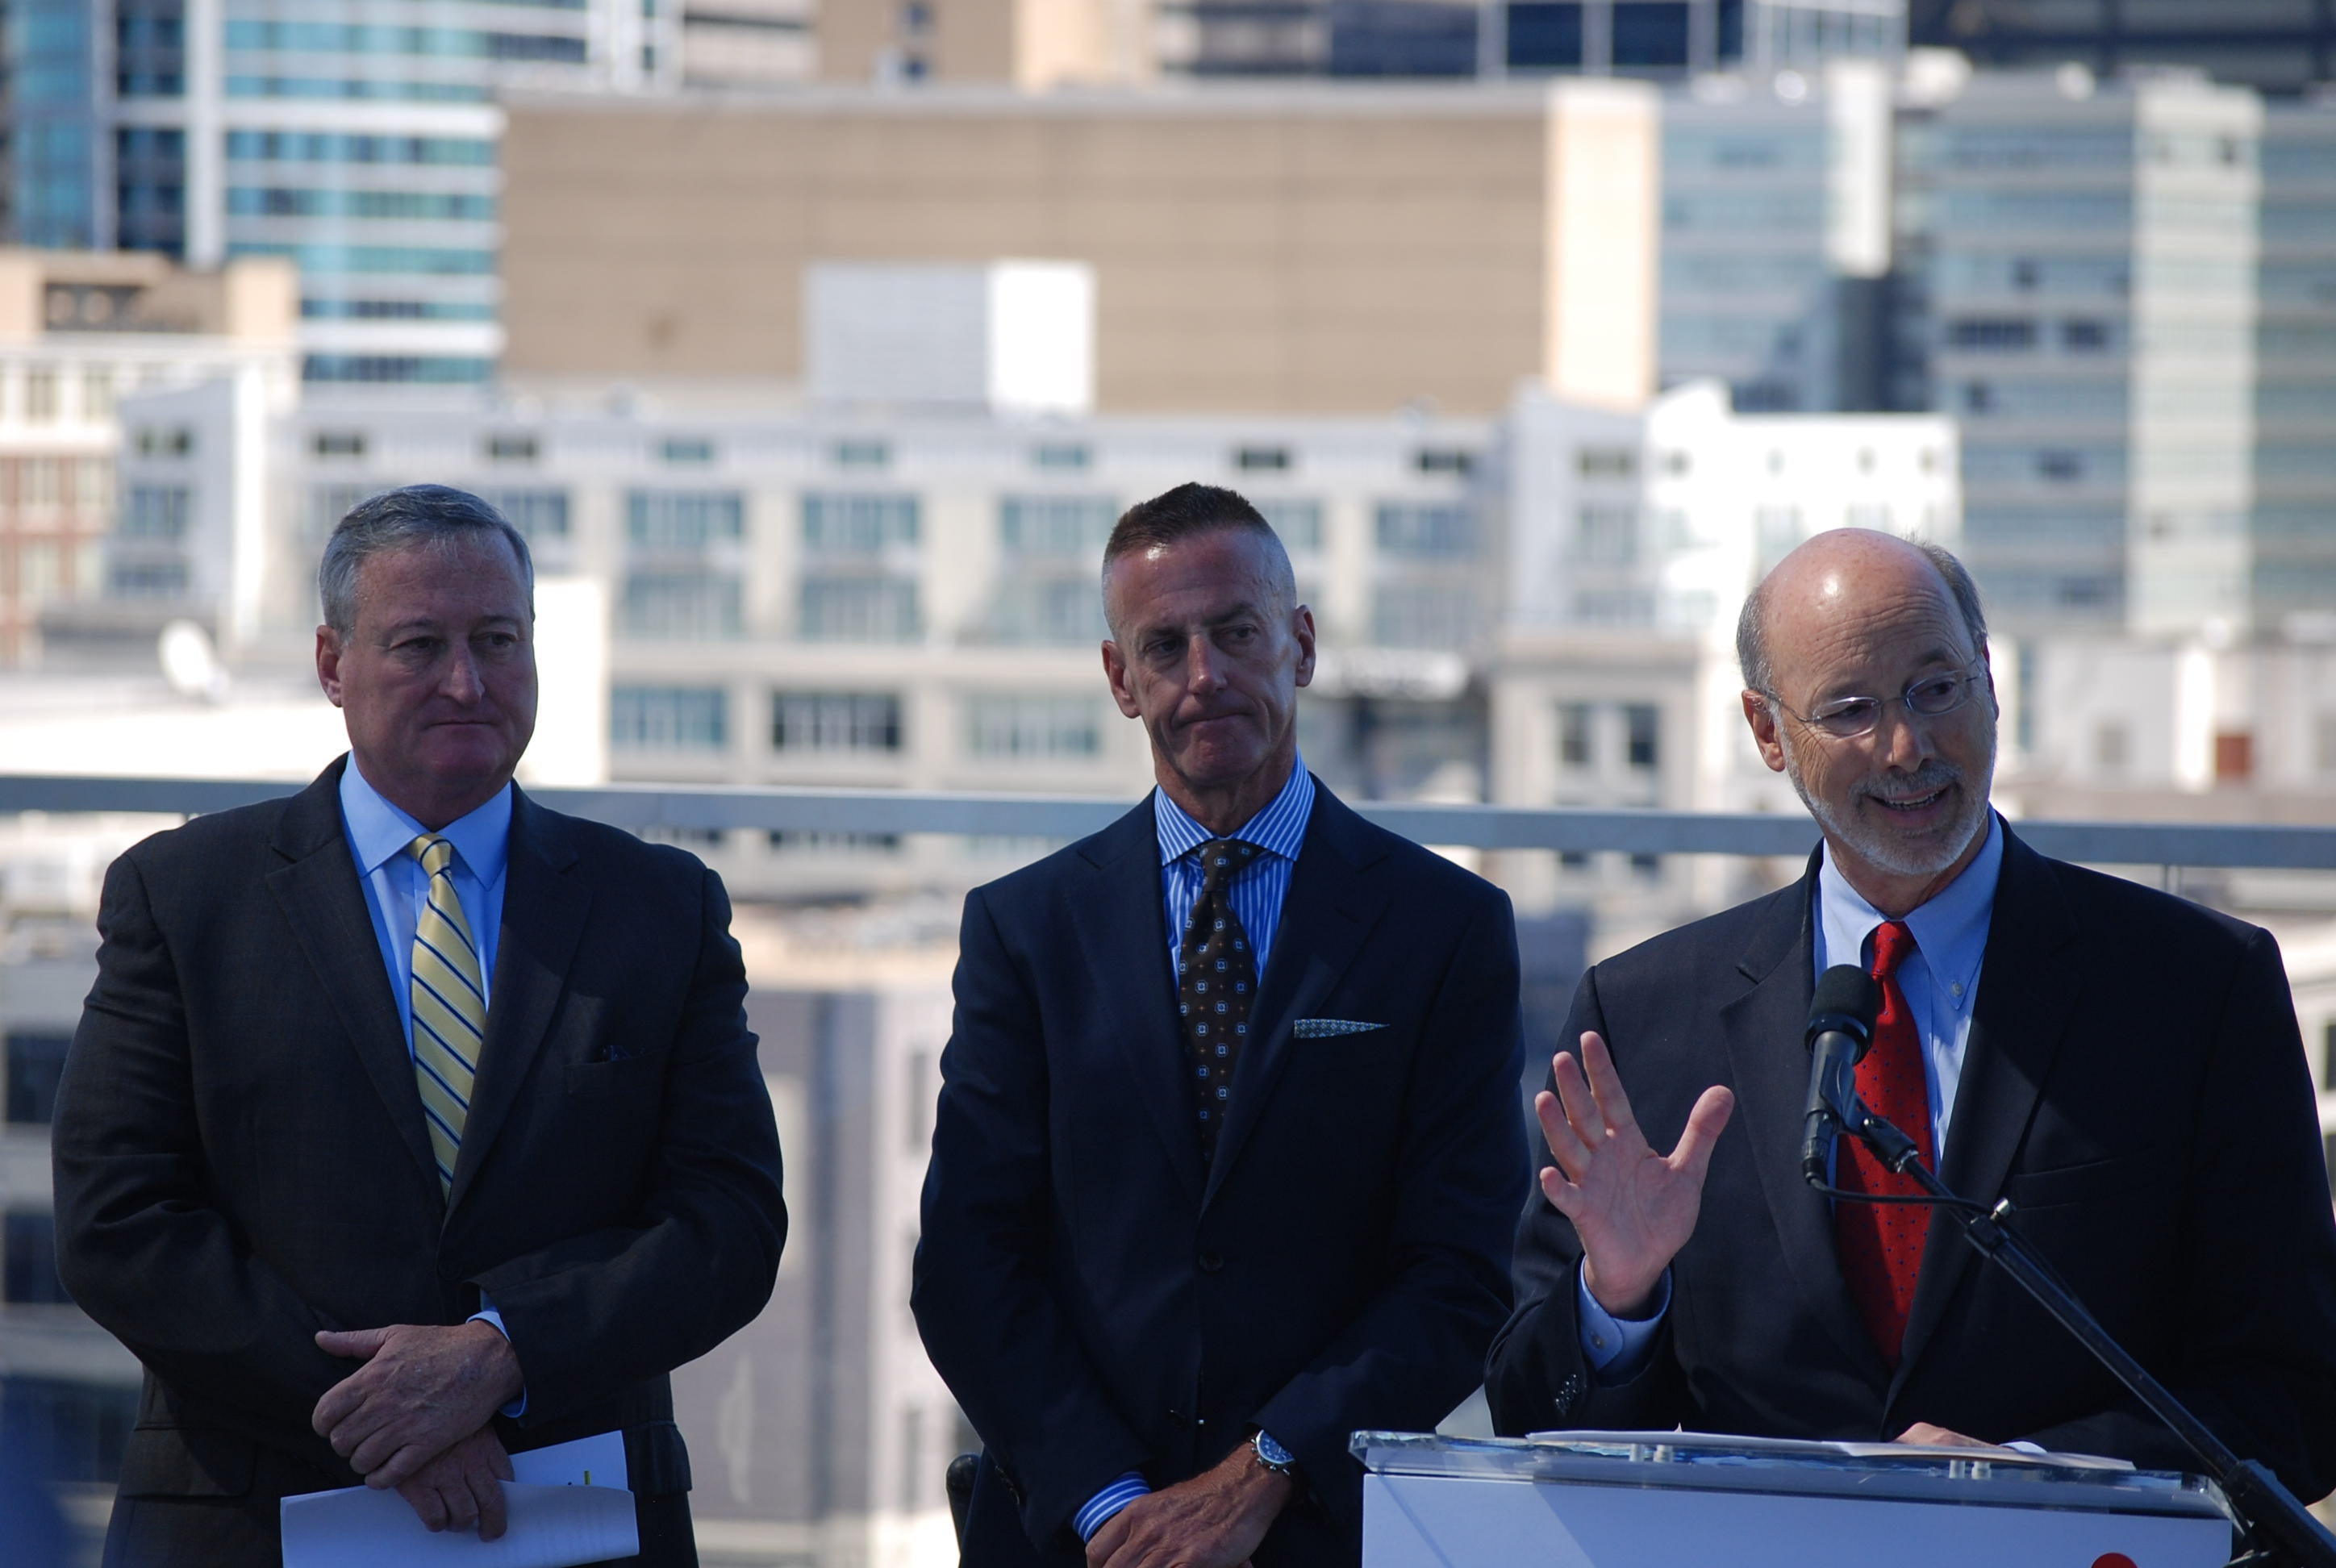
(410, 1123)
(2121, 1066)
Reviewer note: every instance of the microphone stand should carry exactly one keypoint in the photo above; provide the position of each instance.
(2266, 1509)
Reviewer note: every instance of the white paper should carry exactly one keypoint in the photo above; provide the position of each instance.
(567, 1505)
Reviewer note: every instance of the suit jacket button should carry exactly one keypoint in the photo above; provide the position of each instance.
(1212, 1262)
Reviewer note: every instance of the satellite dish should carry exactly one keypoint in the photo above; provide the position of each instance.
(189, 664)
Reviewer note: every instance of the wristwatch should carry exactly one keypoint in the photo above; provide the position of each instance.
(1273, 1455)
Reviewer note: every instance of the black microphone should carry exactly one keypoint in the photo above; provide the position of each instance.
(1841, 1026)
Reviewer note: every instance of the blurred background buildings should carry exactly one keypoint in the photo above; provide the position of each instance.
(817, 344)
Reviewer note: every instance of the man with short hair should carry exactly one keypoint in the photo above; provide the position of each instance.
(1228, 1148)
(410, 1123)
(2121, 1064)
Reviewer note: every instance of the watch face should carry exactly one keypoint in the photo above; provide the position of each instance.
(1273, 1453)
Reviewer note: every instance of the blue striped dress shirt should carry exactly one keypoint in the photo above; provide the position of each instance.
(1258, 891)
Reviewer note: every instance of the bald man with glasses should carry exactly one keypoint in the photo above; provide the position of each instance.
(2122, 1065)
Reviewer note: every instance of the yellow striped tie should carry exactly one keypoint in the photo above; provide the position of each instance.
(450, 1006)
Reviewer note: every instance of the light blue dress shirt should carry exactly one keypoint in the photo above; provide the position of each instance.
(395, 888)
(1258, 892)
(1941, 979)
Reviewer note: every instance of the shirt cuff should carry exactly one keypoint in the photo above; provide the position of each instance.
(488, 1315)
(1619, 1348)
(1109, 1502)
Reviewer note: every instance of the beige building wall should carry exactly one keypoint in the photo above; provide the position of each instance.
(1298, 250)
(1032, 44)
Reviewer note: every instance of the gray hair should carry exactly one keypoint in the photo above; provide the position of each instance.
(435, 515)
(1751, 631)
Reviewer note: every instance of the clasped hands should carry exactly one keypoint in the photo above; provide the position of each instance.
(1633, 1208)
(1215, 1520)
(416, 1415)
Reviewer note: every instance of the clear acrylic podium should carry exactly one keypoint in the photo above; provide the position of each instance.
(1668, 1499)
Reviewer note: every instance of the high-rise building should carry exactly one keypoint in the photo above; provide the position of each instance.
(2294, 565)
(2273, 46)
(361, 145)
(2090, 285)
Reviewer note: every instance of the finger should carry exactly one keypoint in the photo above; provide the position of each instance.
(368, 1440)
(360, 1344)
(1580, 1105)
(498, 1463)
(487, 1487)
(390, 1458)
(1703, 1125)
(1564, 1146)
(1606, 1085)
(461, 1505)
(427, 1506)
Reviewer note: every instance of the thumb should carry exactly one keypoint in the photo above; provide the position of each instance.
(357, 1344)
(1704, 1125)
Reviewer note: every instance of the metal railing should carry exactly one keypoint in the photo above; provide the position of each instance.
(1573, 830)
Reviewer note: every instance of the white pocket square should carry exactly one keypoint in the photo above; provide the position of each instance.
(1323, 1028)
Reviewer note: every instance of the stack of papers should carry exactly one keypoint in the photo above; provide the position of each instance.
(567, 1505)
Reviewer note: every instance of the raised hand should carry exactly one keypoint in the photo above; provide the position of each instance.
(1633, 1208)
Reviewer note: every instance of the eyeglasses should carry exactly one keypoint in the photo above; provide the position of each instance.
(1848, 717)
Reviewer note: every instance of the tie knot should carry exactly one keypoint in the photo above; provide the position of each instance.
(1891, 944)
(435, 853)
(1221, 859)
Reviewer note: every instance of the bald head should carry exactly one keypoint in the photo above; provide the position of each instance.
(1844, 576)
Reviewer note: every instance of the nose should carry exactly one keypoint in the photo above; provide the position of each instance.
(1202, 668)
(463, 682)
(1902, 741)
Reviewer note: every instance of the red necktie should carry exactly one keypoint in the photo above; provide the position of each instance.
(1881, 1244)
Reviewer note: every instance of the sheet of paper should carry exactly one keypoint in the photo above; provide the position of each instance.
(568, 1506)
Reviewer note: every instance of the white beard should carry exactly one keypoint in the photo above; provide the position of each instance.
(1893, 855)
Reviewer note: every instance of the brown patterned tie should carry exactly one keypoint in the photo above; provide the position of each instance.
(1216, 983)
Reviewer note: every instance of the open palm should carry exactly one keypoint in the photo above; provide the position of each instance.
(1633, 1208)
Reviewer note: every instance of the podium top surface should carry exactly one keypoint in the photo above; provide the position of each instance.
(1701, 1461)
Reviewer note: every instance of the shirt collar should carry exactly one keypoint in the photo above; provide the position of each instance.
(381, 831)
(1279, 828)
(1950, 929)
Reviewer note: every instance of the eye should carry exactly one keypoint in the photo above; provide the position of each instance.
(1931, 695)
(1850, 715)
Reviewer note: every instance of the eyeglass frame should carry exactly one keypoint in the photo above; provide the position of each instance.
(1967, 678)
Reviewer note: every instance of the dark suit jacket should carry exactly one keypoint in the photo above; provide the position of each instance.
(2134, 1083)
(240, 1158)
(1099, 1301)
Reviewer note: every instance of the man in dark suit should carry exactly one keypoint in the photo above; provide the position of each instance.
(408, 1121)
(2123, 1066)
(1228, 1148)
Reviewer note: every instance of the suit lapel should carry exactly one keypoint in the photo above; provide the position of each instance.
(319, 893)
(2027, 994)
(1124, 944)
(1763, 1028)
(544, 911)
(1331, 906)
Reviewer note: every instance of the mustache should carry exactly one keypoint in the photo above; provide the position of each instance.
(1929, 779)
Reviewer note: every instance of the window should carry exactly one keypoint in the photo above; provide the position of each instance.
(1445, 460)
(859, 608)
(1012, 727)
(687, 451)
(1606, 462)
(1053, 611)
(39, 482)
(2112, 743)
(685, 605)
(164, 441)
(328, 504)
(97, 393)
(1607, 533)
(1424, 615)
(834, 723)
(1573, 735)
(845, 524)
(1068, 457)
(29, 1276)
(41, 393)
(35, 1063)
(1992, 334)
(1434, 530)
(1262, 459)
(2060, 467)
(149, 580)
(1871, 516)
(1299, 523)
(2085, 337)
(860, 453)
(682, 519)
(338, 443)
(2328, 1066)
(511, 449)
(669, 718)
(2234, 756)
(2025, 273)
(1061, 526)
(916, 1072)
(2327, 743)
(1641, 726)
(155, 512)
(540, 514)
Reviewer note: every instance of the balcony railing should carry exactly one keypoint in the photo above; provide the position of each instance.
(764, 808)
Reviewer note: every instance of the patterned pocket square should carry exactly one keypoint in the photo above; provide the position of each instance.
(1323, 1028)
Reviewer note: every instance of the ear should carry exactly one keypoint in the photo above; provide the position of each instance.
(1114, 670)
(1301, 630)
(328, 663)
(1763, 720)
